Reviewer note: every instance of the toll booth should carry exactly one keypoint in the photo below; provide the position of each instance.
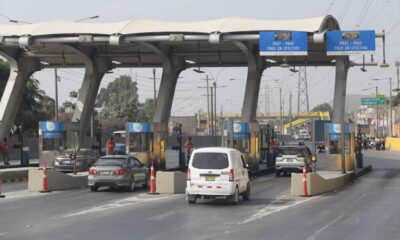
(55, 137)
(139, 141)
(245, 138)
(333, 141)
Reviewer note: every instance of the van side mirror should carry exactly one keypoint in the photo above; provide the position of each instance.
(247, 165)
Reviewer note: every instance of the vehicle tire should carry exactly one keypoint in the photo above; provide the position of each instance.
(131, 186)
(277, 173)
(246, 194)
(94, 188)
(235, 198)
(146, 183)
(191, 199)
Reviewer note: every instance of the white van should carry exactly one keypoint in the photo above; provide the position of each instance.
(217, 172)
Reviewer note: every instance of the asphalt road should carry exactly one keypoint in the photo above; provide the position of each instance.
(367, 209)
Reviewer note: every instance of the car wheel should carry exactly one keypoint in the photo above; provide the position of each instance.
(131, 185)
(246, 194)
(235, 198)
(191, 199)
(277, 173)
(94, 188)
(146, 183)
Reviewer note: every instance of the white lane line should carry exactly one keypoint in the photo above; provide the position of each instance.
(162, 216)
(312, 237)
(120, 203)
(276, 206)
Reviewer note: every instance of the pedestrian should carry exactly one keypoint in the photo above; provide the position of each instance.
(110, 146)
(4, 151)
(189, 145)
(383, 143)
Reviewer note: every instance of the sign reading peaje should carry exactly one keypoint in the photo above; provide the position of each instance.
(283, 43)
(350, 42)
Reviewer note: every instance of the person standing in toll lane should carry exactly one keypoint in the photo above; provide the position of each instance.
(110, 146)
(4, 151)
(189, 148)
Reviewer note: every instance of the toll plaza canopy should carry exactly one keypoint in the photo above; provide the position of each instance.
(131, 43)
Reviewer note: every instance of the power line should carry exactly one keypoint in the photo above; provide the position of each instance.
(330, 6)
(345, 10)
(363, 13)
(4, 16)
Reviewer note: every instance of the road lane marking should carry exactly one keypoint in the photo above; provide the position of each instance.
(276, 206)
(312, 237)
(162, 216)
(142, 198)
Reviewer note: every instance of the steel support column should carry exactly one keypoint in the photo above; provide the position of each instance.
(21, 69)
(95, 68)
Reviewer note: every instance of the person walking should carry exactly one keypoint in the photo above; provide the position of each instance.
(110, 146)
(4, 151)
(189, 145)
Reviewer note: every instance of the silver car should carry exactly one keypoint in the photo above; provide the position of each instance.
(85, 158)
(118, 171)
(292, 159)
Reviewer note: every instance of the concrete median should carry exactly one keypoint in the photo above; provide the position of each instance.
(55, 180)
(14, 174)
(324, 181)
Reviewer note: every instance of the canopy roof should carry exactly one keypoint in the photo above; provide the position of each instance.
(206, 43)
(146, 26)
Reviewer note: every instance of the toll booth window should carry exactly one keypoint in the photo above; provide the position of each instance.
(50, 144)
(210, 161)
(140, 142)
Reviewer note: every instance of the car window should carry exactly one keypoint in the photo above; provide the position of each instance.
(110, 162)
(137, 162)
(210, 160)
(290, 151)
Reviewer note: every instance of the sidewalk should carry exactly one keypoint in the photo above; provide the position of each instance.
(17, 163)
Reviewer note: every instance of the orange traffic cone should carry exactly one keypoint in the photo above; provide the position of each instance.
(45, 187)
(305, 180)
(1, 195)
(152, 180)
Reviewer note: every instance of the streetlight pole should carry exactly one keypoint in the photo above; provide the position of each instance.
(398, 73)
(56, 95)
(154, 88)
(390, 99)
(280, 111)
(208, 106)
(212, 115)
(377, 119)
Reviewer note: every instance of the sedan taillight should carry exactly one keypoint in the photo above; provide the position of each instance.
(120, 171)
(92, 171)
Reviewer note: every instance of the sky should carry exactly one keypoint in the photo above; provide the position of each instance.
(190, 97)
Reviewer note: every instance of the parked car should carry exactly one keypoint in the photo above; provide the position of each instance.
(85, 158)
(292, 159)
(118, 171)
(217, 172)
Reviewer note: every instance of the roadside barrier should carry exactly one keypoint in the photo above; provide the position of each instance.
(305, 180)
(1, 195)
(152, 180)
(45, 188)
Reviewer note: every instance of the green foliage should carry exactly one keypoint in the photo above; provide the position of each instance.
(146, 110)
(36, 105)
(324, 107)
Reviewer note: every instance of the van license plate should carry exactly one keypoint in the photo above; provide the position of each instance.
(210, 178)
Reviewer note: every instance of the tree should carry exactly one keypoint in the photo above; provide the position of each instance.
(119, 99)
(146, 110)
(36, 105)
(324, 107)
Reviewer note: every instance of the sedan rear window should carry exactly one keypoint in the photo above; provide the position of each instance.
(110, 162)
(291, 151)
(210, 160)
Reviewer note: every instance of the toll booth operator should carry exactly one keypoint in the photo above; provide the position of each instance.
(110, 146)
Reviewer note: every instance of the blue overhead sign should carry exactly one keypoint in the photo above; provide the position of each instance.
(139, 127)
(350, 42)
(283, 43)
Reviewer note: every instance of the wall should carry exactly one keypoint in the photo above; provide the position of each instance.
(393, 144)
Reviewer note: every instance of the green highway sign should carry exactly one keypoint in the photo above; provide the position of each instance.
(373, 101)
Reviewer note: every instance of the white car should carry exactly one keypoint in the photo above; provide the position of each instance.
(217, 172)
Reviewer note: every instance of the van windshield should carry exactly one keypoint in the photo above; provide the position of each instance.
(210, 160)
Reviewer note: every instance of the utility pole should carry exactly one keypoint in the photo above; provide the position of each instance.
(56, 93)
(154, 86)
(208, 107)
(290, 113)
(377, 120)
(265, 101)
(303, 105)
(215, 111)
(390, 107)
(280, 111)
(398, 73)
(212, 115)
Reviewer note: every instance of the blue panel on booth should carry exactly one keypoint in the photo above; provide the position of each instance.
(336, 128)
(52, 126)
(238, 127)
(350, 42)
(139, 127)
(283, 43)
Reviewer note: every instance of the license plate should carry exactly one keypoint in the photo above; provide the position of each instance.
(67, 162)
(289, 160)
(210, 178)
(106, 173)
